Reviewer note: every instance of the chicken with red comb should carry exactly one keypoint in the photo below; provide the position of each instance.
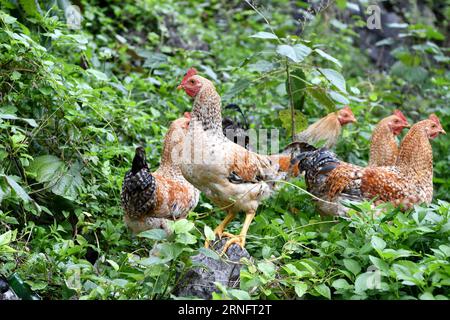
(384, 146)
(233, 178)
(327, 129)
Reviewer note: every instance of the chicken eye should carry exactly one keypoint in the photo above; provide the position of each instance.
(192, 81)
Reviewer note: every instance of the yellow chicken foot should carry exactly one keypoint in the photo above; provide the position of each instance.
(219, 229)
(240, 239)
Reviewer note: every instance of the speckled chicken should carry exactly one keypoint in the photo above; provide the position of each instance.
(383, 145)
(150, 199)
(406, 183)
(326, 129)
(233, 178)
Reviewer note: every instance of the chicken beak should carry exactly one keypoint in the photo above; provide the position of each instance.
(443, 131)
(180, 87)
(407, 125)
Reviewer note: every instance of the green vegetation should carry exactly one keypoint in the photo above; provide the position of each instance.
(75, 103)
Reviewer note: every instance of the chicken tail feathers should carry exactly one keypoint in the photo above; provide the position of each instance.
(139, 160)
(139, 186)
(314, 162)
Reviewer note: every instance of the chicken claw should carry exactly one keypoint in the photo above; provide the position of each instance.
(240, 240)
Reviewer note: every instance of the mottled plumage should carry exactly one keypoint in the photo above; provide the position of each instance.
(384, 146)
(150, 199)
(232, 177)
(408, 182)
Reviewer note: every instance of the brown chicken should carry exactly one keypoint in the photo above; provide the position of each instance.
(151, 199)
(406, 183)
(233, 178)
(383, 146)
(327, 129)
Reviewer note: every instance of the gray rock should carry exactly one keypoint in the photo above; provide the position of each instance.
(5, 292)
(9, 295)
(199, 281)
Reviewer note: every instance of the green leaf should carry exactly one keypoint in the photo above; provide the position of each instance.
(20, 192)
(335, 78)
(5, 238)
(239, 294)
(209, 233)
(323, 290)
(98, 74)
(70, 182)
(154, 234)
(31, 122)
(209, 253)
(353, 266)
(328, 57)
(47, 168)
(238, 87)
(267, 268)
(339, 98)
(186, 238)
(296, 53)
(261, 66)
(300, 120)
(154, 60)
(31, 7)
(378, 243)
(264, 35)
(392, 254)
(341, 284)
(6, 18)
(426, 296)
(297, 80)
(300, 289)
(15, 75)
(321, 96)
(113, 264)
(302, 51)
(363, 282)
(380, 264)
(182, 226)
(287, 51)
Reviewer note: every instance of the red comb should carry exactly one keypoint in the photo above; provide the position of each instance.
(434, 118)
(347, 108)
(399, 114)
(191, 72)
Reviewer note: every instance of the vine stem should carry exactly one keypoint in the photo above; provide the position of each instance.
(291, 99)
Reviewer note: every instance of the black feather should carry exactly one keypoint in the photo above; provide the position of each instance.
(139, 186)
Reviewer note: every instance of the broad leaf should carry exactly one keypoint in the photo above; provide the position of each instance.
(300, 289)
(323, 290)
(328, 57)
(335, 78)
(264, 35)
(287, 51)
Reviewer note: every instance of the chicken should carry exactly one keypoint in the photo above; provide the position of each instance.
(406, 183)
(232, 177)
(383, 146)
(326, 129)
(149, 200)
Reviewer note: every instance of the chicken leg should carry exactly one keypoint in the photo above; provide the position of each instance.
(240, 239)
(219, 229)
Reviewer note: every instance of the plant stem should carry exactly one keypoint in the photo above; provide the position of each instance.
(291, 99)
